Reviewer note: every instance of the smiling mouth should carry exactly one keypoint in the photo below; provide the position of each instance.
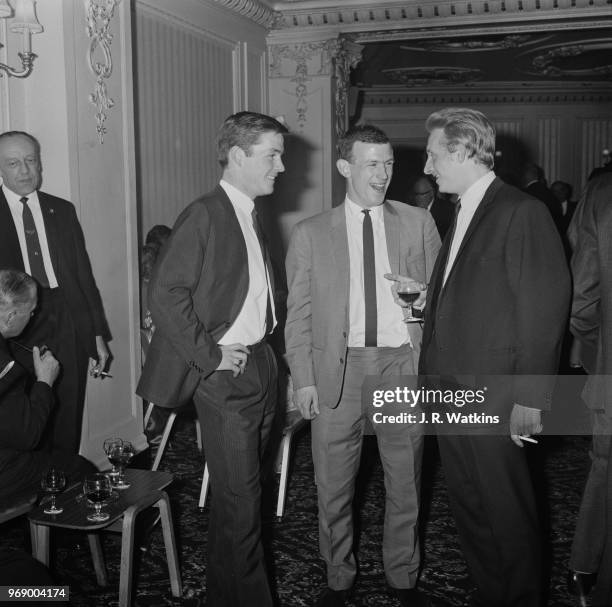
(378, 187)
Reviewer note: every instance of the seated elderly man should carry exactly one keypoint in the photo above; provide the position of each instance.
(26, 401)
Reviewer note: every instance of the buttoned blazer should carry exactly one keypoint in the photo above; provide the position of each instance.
(591, 319)
(197, 290)
(70, 263)
(504, 306)
(318, 275)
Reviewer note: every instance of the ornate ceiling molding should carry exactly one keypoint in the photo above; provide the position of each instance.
(556, 62)
(425, 76)
(254, 10)
(362, 16)
(471, 45)
(502, 92)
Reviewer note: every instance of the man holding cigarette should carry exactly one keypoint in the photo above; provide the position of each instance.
(496, 311)
(41, 235)
(26, 402)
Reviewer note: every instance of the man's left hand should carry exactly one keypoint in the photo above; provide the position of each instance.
(524, 421)
(97, 366)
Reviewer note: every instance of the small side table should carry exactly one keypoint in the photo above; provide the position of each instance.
(146, 490)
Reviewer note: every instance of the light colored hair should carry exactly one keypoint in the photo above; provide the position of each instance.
(467, 127)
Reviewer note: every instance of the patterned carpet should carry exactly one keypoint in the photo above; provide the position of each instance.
(292, 542)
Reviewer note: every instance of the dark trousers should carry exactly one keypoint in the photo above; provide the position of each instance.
(492, 500)
(52, 326)
(236, 416)
(592, 545)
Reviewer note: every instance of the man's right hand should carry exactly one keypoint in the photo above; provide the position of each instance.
(46, 367)
(233, 358)
(307, 401)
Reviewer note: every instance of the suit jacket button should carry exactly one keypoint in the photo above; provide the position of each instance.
(342, 361)
(344, 334)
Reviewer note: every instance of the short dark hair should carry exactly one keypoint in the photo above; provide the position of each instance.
(8, 134)
(244, 130)
(366, 133)
(467, 127)
(16, 288)
(158, 234)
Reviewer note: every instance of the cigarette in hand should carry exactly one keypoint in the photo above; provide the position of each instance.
(528, 439)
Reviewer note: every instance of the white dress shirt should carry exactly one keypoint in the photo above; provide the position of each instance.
(470, 201)
(391, 329)
(250, 324)
(16, 207)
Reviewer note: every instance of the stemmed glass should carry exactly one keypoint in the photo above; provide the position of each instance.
(124, 456)
(112, 448)
(409, 293)
(98, 490)
(53, 482)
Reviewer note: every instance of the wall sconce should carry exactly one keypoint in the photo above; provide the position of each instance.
(25, 23)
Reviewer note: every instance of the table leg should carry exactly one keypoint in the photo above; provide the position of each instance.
(95, 546)
(41, 535)
(170, 544)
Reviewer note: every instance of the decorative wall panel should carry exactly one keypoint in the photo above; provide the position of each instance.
(185, 89)
(549, 145)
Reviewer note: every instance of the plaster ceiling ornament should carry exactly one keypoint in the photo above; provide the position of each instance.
(99, 14)
(300, 62)
(563, 60)
(471, 45)
(423, 76)
(252, 9)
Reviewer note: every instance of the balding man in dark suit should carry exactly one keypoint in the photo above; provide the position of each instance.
(41, 235)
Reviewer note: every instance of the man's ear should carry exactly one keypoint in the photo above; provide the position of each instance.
(236, 155)
(343, 167)
(460, 153)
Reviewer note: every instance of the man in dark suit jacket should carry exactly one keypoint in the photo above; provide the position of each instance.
(40, 234)
(534, 184)
(26, 401)
(212, 305)
(424, 195)
(496, 312)
(591, 324)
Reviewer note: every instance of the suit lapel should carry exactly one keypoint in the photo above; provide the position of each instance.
(394, 243)
(341, 263)
(481, 211)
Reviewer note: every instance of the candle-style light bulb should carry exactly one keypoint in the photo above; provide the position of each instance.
(5, 9)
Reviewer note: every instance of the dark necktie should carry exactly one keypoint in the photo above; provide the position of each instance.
(369, 281)
(37, 266)
(264, 254)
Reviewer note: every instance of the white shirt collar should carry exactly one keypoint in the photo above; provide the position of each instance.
(356, 210)
(14, 200)
(474, 194)
(239, 199)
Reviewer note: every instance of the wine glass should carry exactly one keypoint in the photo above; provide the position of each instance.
(53, 482)
(124, 457)
(98, 490)
(112, 448)
(409, 293)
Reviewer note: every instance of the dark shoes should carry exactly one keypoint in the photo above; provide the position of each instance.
(410, 597)
(580, 584)
(332, 598)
